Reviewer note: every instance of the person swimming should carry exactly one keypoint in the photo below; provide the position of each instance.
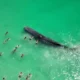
(1, 53)
(22, 55)
(28, 76)
(25, 38)
(37, 41)
(31, 38)
(6, 40)
(4, 78)
(6, 32)
(14, 50)
(20, 75)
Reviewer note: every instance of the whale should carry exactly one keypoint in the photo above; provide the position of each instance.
(43, 39)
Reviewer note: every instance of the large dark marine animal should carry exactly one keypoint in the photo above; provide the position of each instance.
(42, 38)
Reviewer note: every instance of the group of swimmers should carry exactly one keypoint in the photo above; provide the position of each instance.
(24, 38)
(27, 77)
(14, 50)
(31, 39)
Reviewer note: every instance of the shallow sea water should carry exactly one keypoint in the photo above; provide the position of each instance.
(56, 19)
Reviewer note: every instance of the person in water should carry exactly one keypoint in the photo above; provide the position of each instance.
(20, 75)
(6, 33)
(22, 55)
(31, 38)
(4, 78)
(28, 76)
(1, 53)
(14, 50)
(25, 38)
(37, 41)
(6, 40)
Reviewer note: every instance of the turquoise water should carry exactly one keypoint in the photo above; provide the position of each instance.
(56, 19)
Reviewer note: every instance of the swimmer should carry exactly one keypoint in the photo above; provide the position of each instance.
(20, 75)
(0, 53)
(37, 42)
(6, 40)
(31, 38)
(17, 46)
(14, 50)
(28, 76)
(25, 37)
(6, 33)
(4, 78)
(22, 55)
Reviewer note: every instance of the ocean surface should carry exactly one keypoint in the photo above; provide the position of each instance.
(56, 19)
